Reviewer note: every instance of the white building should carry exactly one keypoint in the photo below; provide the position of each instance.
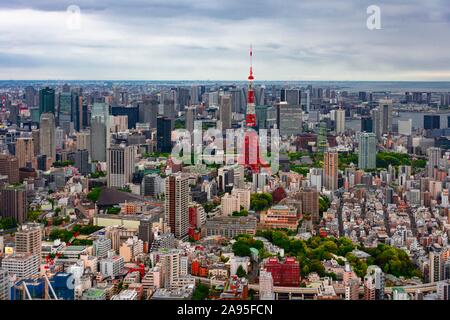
(112, 266)
(22, 265)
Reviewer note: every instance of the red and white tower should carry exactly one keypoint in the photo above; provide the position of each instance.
(250, 156)
(250, 118)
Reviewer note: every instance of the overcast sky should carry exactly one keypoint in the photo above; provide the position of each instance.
(209, 40)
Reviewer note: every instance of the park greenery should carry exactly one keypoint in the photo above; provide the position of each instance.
(61, 164)
(240, 272)
(324, 204)
(67, 235)
(7, 223)
(260, 201)
(113, 210)
(201, 292)
(310, 254)
(243, 244)
(94, 194)
(98, 174)
(383, 160)
(209, 206)
(241, 213)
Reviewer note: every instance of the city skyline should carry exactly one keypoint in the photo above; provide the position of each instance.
(312, 40)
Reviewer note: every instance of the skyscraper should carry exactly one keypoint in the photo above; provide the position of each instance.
(24, 151)
(46, 100)
(176, 205)
(289, 119)
(9, 166)
(291, 96)
(47, 136)
(190, 113)
(120, 165)
(99, 139)
(13, 200)
(148, 112)
(331, 170)
(366, 124)
(367, 152)
(339, 121)
(164, 134)
(385, 107)
(431, 122)
(434, 155)
(65, 111)
(225, 112)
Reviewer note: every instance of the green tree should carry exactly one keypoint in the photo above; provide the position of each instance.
(240, 272)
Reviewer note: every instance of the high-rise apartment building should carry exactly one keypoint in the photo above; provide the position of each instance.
(176, 205)
(331, 170)
(367, 151)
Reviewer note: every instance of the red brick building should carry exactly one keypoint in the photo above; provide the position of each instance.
(284, 274)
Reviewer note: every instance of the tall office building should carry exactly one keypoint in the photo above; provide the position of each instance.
(65, 111)
(339, 121)
(13, 203)
(225, 114)
(431, 122)
(434, 156)
(190, 113)
(30, 96)
(120, 165)
(261, 117)
(385, 107)
(148, 112)
(289, 119)
(291, 96)
(47, 136)
(164, 134)
(366, 124)
(80, 159)
(331, 170)
(9, 166)
(176, 205)
(46, 101)
(24, 151)
(367, 151)
(29, 239)
(99, 139)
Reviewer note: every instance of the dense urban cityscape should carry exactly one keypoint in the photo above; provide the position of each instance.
(246, 189)
(95, 206)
